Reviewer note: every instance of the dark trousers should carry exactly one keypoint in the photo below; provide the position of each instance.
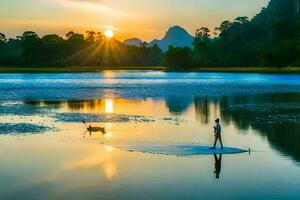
(218, 137)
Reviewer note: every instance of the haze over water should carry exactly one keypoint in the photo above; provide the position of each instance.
(47, 156)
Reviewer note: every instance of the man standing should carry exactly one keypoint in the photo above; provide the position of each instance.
(217, 132)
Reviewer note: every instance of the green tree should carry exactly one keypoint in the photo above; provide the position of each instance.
(242, 20)
(201, 46)
(2, 47)
(53, 49)
(203, 33)
(29, 35)
(31, 46)
(2, 37)
(70, 34)
(90, 36)
(99, 37)
(178, 58)
(225, 26)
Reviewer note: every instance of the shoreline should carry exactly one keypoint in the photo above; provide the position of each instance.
(260, 70)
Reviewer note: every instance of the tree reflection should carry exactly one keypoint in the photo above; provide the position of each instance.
(275, 116)
(202, 108)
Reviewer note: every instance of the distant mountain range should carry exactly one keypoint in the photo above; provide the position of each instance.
(175, 36)
(133, 42)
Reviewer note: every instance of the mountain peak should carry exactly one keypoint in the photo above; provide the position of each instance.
(175, 36)
(133, 42)
(176, 30)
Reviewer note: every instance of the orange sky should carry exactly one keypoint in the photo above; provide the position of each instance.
(145, 19)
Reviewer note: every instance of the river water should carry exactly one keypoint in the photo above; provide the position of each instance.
(46, 154)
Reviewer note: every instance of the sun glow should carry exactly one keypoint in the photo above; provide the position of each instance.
(109, 33)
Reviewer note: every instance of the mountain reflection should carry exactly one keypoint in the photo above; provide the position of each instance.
(178, 105)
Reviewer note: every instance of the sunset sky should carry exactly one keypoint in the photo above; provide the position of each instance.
(145, 19)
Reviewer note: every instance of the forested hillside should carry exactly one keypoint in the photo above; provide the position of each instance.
(271, 39)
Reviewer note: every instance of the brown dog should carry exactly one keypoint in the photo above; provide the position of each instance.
(92, 129)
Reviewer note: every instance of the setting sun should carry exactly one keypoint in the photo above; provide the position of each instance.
(109, 33)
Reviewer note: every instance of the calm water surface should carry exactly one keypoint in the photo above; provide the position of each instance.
(45, 154)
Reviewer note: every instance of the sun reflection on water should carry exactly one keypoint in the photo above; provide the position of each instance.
(109, 148)
(108, 134)
(110, 170)
(109, 106)
(101, 159)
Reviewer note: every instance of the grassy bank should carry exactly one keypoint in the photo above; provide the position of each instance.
(99, 69)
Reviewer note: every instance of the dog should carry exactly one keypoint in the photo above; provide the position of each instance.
(92, 129)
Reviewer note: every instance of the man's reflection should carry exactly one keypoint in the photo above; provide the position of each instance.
(218, 163)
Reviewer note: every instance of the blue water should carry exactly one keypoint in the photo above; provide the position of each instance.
(140, 84)
(156, 121)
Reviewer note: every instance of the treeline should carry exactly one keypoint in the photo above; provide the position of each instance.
(91, 49)
(270, 39)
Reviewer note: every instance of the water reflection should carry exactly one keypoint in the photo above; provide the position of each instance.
(274, 116)
(207, 109)
(218, 165)
(102, 160)
(178, 105)
(109, 106)
(110, 170)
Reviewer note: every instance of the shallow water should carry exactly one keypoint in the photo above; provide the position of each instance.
(48, 155)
